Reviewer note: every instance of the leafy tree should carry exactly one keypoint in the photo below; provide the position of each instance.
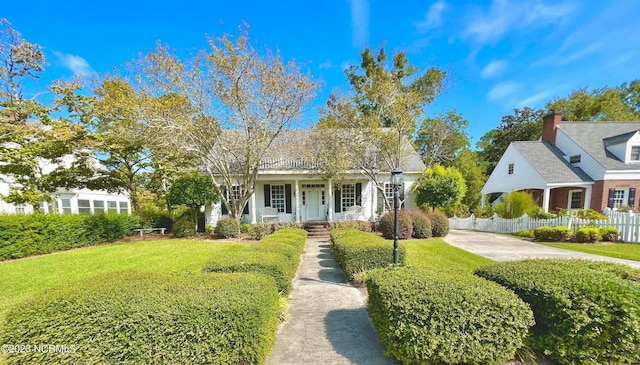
(524, 125)
(226, 106)
(608, 104)
(193, 190)
(369, 129)
(38, 155)
(468, 164)
(439, 140)
(440, 187)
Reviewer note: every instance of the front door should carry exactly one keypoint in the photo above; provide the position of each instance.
(313, 205)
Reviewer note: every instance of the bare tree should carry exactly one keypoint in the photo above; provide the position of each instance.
(226, 105)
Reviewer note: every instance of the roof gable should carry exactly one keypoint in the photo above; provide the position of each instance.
(602, 140)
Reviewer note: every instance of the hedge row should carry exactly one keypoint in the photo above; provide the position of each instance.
(358, 251)
(148, 318)
(276, 255)
(34, 234)
(586, 313)
(583, 234)
(416, 224)
(427, 317)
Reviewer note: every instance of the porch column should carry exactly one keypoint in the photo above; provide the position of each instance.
(374, 201)
(545, 199)
(297, 202)
(330, 202)
(252, 208)
(587, 197)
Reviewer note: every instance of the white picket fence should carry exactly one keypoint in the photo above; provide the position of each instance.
(627, 223)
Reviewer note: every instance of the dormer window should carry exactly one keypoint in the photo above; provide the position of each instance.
(635, 153)
(510, 169)
(575, 159)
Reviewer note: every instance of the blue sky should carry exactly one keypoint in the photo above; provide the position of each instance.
(501, 54)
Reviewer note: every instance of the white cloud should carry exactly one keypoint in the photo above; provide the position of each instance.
(359, 22)
(77, 64)
(433, 17)
(494, 68)
(326, 64)
(506, 15)
(533, 100)
(502, 90)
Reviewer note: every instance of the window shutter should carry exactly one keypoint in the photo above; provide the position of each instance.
(338, 201)
(267, 195)
(287, 197)
(245, 210)
(359, 194)
(632, 197)
(611, 193)
(222, 199)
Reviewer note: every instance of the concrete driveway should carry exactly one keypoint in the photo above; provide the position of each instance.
(500, 247)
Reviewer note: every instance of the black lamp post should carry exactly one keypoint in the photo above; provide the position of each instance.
(396, 182)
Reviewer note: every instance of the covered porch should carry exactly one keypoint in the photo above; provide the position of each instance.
(555, 197)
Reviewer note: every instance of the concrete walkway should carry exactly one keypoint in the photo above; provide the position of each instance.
(329, 323)
(500, 247)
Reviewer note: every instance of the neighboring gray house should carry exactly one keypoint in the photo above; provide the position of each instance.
(575, 165)
(293, 188)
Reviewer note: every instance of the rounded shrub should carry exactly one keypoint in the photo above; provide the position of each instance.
(148, 318)
(405, 225)
(588, 234)
(421, 225)
(429, 317)
(359, 225)
(257, 231)
(228, 228)
(609, 234)
(439, 223)
(552, 234)
(184, 228)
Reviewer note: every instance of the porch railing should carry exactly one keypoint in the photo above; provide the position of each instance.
(627, 223)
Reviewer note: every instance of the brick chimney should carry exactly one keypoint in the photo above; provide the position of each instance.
(550, 123)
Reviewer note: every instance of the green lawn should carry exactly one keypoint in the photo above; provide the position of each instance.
(438, 255)
(629, 251)
(21, 278)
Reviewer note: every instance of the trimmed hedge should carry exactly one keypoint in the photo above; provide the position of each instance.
(405, 225)
(421, 225)
(276, 255)
(584, 315)
(439, 223)
(363, 226)
(427, 317)
(149, 318)
(609, 234)
(34, 234)
(358, 251)
(588, 234)
(552, 234)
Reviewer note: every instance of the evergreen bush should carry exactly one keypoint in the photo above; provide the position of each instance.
(228, 228)
(439, 223)
(405, 225)
(421, 225)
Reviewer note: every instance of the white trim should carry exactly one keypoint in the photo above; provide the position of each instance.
(570, 198)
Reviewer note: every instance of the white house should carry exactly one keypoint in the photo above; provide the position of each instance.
(296, 190)
(574, 165)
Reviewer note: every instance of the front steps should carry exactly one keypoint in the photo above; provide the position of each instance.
(317, 230)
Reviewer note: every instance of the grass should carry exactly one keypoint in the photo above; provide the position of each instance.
(438, 255)
(629, 251)
(22, 278)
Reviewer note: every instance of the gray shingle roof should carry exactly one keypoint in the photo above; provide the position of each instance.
(548, 161)
(594, 136)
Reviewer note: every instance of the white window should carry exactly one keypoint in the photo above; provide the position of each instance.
(278, 198)
(575, 159)
(113, 206)
(98, 206)
(510, 169)
(635, 153)
(388, 193)
(84, 206)
(66, 205)
(348, 196)
(619, 196)
(575, 199)
(124, 207)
